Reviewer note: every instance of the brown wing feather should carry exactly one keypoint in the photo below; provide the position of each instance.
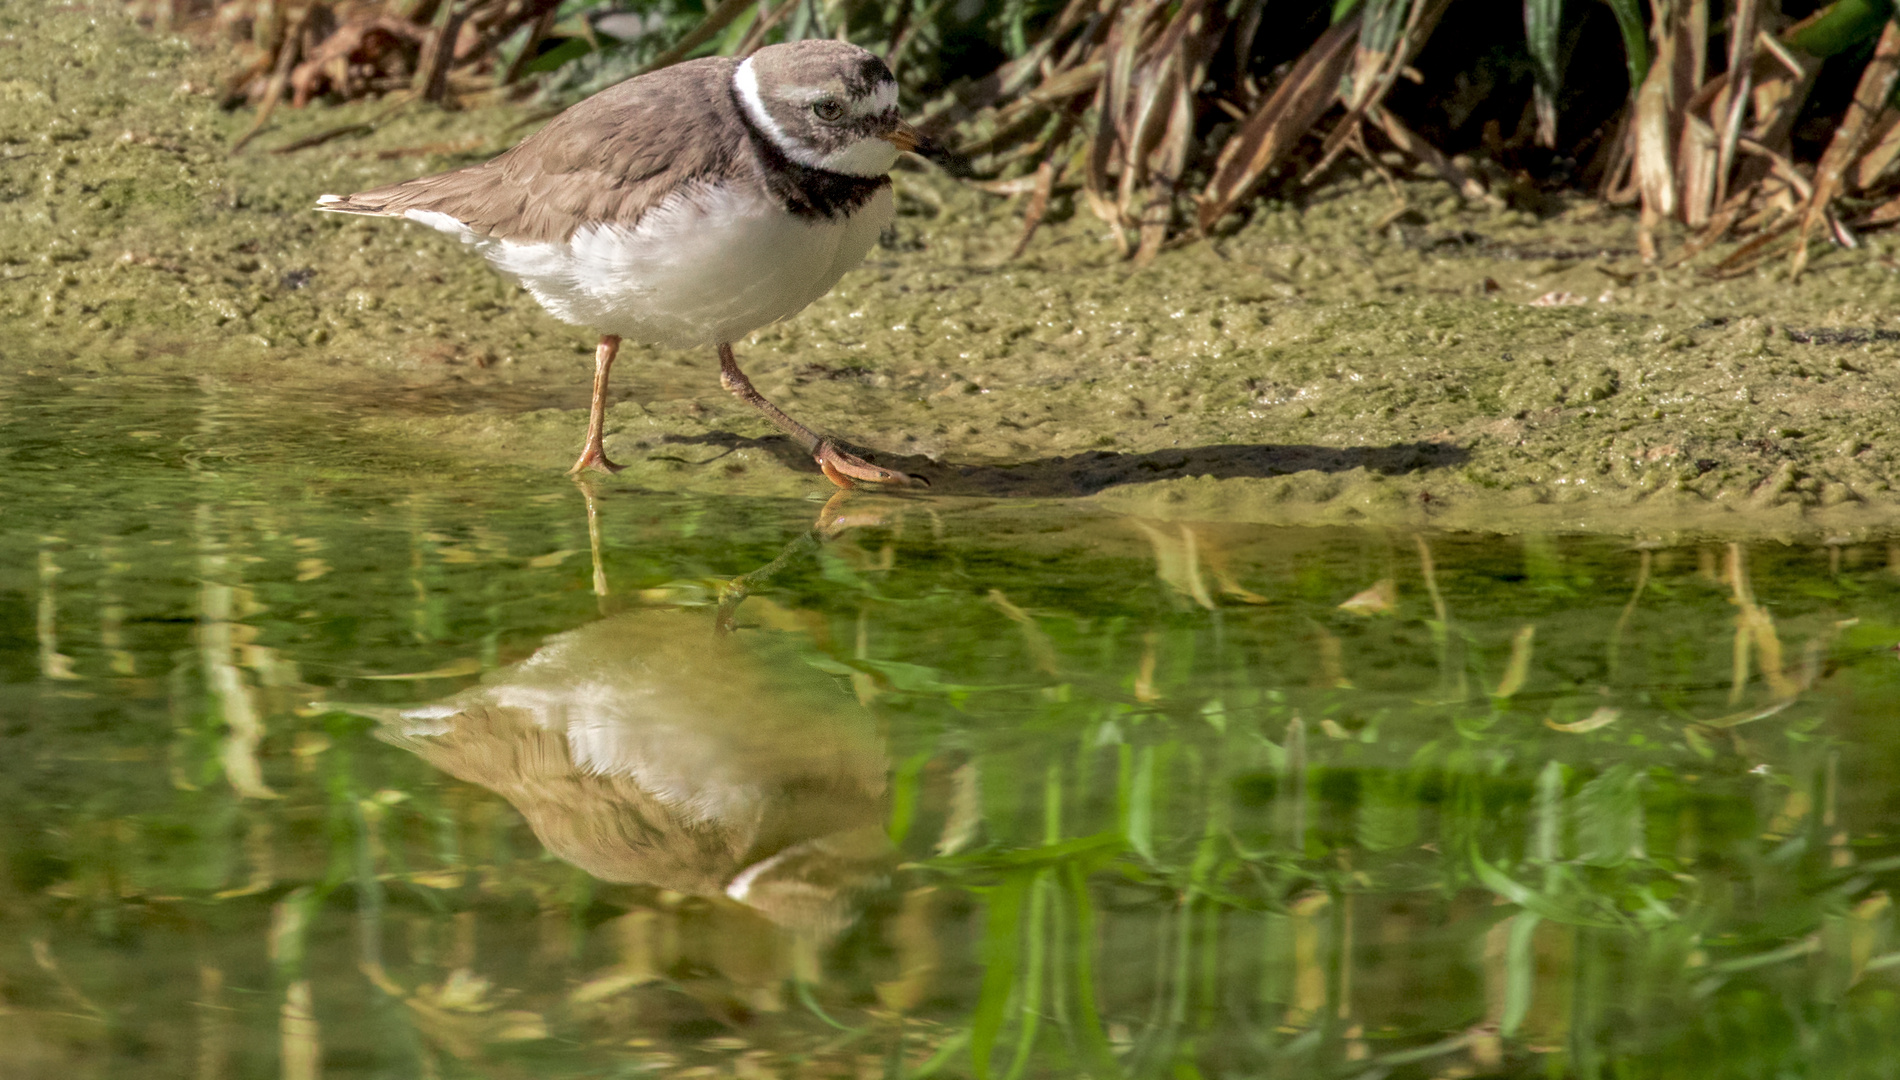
(608, 159)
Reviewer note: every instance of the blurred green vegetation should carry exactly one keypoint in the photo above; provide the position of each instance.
(1172, 799)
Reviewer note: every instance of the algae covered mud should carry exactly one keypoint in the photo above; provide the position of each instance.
(1350, 359)
(318, 767)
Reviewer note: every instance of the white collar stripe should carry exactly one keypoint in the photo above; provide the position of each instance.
(746, 81)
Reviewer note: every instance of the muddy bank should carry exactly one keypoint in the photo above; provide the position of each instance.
(1334, 362)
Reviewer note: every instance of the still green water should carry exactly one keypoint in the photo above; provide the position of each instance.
(321, 763)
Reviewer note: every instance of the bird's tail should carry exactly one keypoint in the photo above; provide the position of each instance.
(351, 204)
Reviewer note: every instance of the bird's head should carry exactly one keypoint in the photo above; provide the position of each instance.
(826, 104)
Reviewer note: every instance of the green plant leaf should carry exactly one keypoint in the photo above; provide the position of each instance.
(1548, 813)
(1542, 21)
(571, 49)
(1002, 947)
(1520, 962)
(1139, 821)
(904, 795)
(1093, 1039)
(1842, 26)
(1629, 22)
(1530, 899)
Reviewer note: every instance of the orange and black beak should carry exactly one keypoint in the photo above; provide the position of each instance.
(905, 137)
(910, 140)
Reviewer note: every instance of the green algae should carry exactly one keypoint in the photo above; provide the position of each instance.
(1330, 362)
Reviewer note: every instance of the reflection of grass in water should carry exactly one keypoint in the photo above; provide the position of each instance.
(1592, 839)
(1158, 827)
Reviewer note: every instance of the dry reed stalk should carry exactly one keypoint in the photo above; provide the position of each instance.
(287, 52)
(1883, 141)
(1680, 38)
(1702, 157)
(1732, 104)
(1123, 91)
(432, 73)
(1717, 227)
(1377, 60)
(1870, 97)
(1408, 143)
(356, 48)
(1782, 81)
(1039, 195)
(1159, 130)
(1753, 253)
(1270, 132)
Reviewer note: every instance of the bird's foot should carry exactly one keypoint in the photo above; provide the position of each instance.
(595, 458)
(848, 470)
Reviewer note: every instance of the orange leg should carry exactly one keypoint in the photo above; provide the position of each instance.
(842, 469)
(593, 455)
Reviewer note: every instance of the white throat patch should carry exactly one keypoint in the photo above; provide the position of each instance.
(866, 157)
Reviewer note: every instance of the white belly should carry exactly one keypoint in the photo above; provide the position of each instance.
(703, 268)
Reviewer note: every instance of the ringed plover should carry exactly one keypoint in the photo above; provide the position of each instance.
(687, 208)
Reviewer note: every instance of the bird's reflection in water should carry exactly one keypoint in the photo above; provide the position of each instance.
(646, 749)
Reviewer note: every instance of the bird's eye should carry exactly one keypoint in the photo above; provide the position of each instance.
(828, 110)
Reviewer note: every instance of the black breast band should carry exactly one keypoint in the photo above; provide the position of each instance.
(804, 191)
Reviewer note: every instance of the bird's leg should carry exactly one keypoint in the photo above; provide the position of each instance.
(593, 455)
(839, 467)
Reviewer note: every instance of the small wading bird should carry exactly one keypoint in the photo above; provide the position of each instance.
(644, 750)
(687, 207)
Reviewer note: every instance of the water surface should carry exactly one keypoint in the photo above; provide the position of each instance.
(322, 761)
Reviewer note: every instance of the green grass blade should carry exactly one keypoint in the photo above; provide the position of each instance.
(1139, 823)
(904, 795)
(1030, 1006)
(1002, 947)
(1547, 816)
(1629, 22)
(1520, 962)
(1543, 19)
(950, 1048)
(1094, 1040)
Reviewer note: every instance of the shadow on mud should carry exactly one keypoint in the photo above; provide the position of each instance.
(1088, 473)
